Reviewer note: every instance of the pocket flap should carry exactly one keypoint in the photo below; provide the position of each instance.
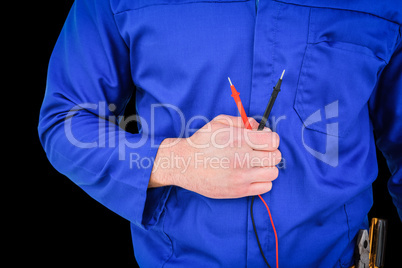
(353, 28)
(389, 10)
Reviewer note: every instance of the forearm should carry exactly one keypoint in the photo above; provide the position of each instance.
(170, 174)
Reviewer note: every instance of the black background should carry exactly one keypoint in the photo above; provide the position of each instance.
(58, 224)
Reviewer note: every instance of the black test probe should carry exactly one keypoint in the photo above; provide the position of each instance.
(264, 119)
(271, 102)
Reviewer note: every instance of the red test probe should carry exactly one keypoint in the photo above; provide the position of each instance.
(240, 107)
(247, 125)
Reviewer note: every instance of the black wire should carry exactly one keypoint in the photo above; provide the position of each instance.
(255, 232)
(271, 102)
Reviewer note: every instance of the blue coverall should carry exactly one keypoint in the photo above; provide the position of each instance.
(343, 85)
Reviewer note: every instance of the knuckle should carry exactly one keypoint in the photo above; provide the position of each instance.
(266, 187)
(277, 138)
(275, 172)
(269, 186)
(252, 120)
(274, 139)
(272, 173)
(254, 124)
(220, 116)
(256, 139)
(277, 157)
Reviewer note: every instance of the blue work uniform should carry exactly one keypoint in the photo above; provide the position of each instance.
(342, 88)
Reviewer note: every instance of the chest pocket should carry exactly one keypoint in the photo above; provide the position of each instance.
(345, 53)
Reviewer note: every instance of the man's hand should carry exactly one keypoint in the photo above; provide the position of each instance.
(220, 160)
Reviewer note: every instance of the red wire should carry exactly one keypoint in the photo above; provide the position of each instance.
(246, 123)
(273, 227)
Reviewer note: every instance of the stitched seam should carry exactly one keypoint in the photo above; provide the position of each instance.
(299, 92)
(170, 4)
(343, 9)
(167, 236)
(274, 44)
(252, 65)
(334, 46)
(347, 221)
(171, 245)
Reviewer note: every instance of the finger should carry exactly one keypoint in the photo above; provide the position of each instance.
(229, 120)
(262, 140)
(265, 158)
(259, 188)
(235, 121)
(262, 174)
(253, 123)
(259, 175)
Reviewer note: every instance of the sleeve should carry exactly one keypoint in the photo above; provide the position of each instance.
(386, 114)
(88, 87)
